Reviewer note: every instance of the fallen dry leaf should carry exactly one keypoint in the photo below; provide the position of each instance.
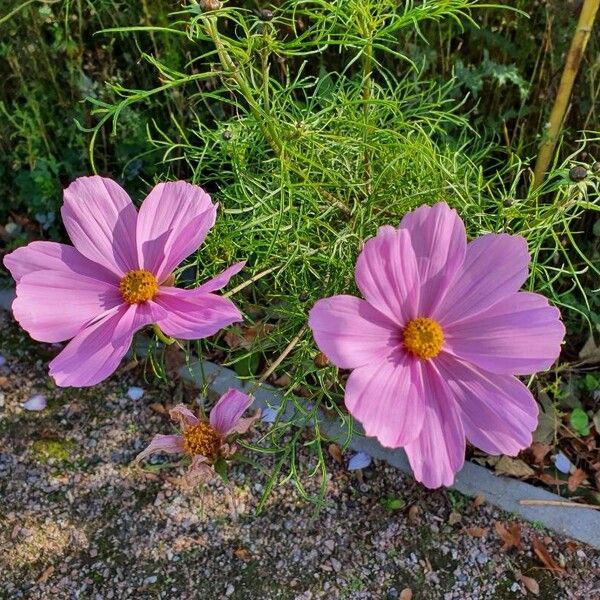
(336, 453)
(454, 518)
(576, 479)
(476, 532)
(46, 574)
(159, 408)
(242, 554)
(478, 501)
(282, 381)
(413, 513)
(545, 558)
(510, 535)
(515, 467)
(539, 451)
(406, 594)
(531, 584)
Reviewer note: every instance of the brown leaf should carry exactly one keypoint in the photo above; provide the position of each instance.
(282, 381)
(413, 513)
(545, 558)
(572, 546)
(478, 501)
(531, 584)
(321, 360)
(454, 518)
(515, 467)
(476, 532)
(510, 535)
(576, 479)
(243, 554)
(46, 574)
(539, 451)
(406, 594)
(550, 480)
(159, 407)
(336, 453)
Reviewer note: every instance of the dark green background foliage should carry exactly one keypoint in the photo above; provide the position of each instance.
(506, 68)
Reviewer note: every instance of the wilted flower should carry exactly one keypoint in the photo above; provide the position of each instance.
(437, 342)
(204, 441)
(118, 276)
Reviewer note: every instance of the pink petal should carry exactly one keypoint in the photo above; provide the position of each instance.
(41, 256)
(519, 335)
(101, 221)
(95, 353)
(495, 267)
(221, 280)
(193, 316)
(183, 416)
(439, 451)
(53, 306)
(228, 410)
(386, 397)
(387, 275)
(173, 221)
(350, 332)
(199, 471)
(498, 412)
(439, 242)
(171, 444)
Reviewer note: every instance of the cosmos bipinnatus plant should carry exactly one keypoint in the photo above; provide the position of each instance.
(312, 127)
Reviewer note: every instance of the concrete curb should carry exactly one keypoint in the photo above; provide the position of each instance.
(581, 524)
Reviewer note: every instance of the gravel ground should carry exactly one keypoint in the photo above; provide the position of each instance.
(78, 521)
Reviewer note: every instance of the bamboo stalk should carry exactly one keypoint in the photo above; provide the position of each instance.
(576, 50)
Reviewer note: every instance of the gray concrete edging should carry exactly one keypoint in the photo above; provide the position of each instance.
(579, 523)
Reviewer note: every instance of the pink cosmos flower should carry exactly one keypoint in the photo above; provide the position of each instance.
(204, 441)
(437, 341)
(117, 276)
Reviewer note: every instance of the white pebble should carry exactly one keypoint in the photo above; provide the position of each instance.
(135, 393)
(2, 360)
(35, 403)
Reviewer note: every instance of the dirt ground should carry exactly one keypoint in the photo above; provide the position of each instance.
(77, 520)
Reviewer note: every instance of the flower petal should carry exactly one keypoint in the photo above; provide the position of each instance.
(41, 256)
(439, 450)
(173, 221)
(350, 332)
(386, 397)
(192, 316)
(519, 335)
(387, 275)
(184, 416)
(439, 241)
(53, 306)
(221, 280)
(101, 222)
(228, 410)
(95, 353)
(498, 412)
(495, 267)
(171, 444)
(199, 471)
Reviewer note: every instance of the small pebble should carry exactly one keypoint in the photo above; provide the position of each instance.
(135, 393)
(35, 403)
(2, 360)
(229, 591)
(562, 463)
(360, 460)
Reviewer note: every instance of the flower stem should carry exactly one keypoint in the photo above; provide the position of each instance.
(165, 339)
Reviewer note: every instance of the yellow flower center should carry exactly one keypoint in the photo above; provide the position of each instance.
(423, 337)
(138, 286)
(201, 439)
